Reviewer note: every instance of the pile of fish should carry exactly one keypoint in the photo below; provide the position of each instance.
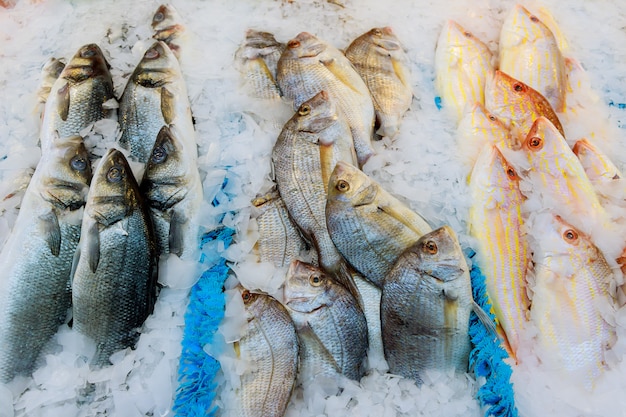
(359, 259)
(92, 242)
(548, 241)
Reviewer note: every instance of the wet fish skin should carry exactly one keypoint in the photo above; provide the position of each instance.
(308, 65)
(271, 344)
(597, 165)
(368, 225)
(572, 298)
(380, 60)
(331, 327)
(478, 128)
(529, 52)
(503, 251)
(517, 104)
(36, 260)
(462, 65)
(155, 96)
(169, 28)
(173, 190)
(114, 280)
(425, 307)
(77, 97)
(258, 59)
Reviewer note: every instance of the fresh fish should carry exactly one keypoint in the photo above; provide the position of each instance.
(270, 345)
(49, 74)
(299, 177)
(173, 190)
(369, 226)
(502, 247)
(425, 307)
(280, 241)
(380, 60)
(597, 165)
(257, 59)
(78, 97)
(36, 261)
(530, 53)
(114, 279)
(308, 66)
(169, 28)
(462, 65)
(571, 300)
(330, 324)
(517, 104)
(155, 96)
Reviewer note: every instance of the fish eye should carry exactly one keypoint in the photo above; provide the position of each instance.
(535, 143)
(159, 17)
(304, 110)
(315, 280)
(246, 296)
(430, 247)
(467, 34)
(87, 53)
(511, 172)
(342, 186)
(492, 118)
(377, 32)
(152, 54)
(78, 163)
(534, 19)
(293, 44)
(570, 235)
(159, 155)
(115, 174)
(519, 87)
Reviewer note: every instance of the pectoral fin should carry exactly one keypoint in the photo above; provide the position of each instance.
(51, 231)
(484, 318)
(63, 101)
(177, 228)
(167, 105)
(93, 247)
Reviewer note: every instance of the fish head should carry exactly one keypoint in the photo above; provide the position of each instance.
(156, 68)
(87, 63)
(164, 183)
(317, 113)
(304, 46)
(493, 174)
(482, 123)
(384, 38)
(521, 26)
(460, 46)
(114, 191)
(306, 287)
(595, 162)
(546, 149)
(53, 68)
(349, 184)
(439, 255)
(254, 303)
(68, 175)
(164, 17)
(258, 44)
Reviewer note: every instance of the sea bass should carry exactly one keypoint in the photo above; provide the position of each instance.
(258, 59)
(50, 72)
(462, 64)
(270, 345)
(168, 27)
(308, 66)
(369, 226)
(425, 307)
(155, 96)
(36, 261)
(79, 96)
(299, 177)
(330, 324)
(380, 60)
(504, 257)
(114, 283)
(530, 53)
(571, 301)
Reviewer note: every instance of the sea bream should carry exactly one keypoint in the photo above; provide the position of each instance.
(79, 96)
(379, 58)
(114, 279)
(36, 261)
(309, 65)
(155, 96)
(257, 60)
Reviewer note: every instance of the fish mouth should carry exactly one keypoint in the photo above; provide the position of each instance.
(298, 300)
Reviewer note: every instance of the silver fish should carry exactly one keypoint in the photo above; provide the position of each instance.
(369, 226)
(172, 187)
(50, 72)
(36, 261)
(155, 96)
(114, 283)
(77, 98)
(258, 59)
(168, 27)
(271, 345)
(380, 60)
(308, 66)
(425, 307)
(331, 326)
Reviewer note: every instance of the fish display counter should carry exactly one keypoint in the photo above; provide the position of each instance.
(311, 207)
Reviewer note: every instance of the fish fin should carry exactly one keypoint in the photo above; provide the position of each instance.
(406, 216)
(484, 318)
(63, 103)
(401, 72)
(344, 276)
(366, 196)
(504, 341)
(75, 260)
(51, 231)
(93, 247)
(237, 349)
(307, 331)
(167, 105)
(177, 226)
(332, 66)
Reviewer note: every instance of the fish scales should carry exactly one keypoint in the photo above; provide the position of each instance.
(37, 258)
(271, 344)
(258, 60)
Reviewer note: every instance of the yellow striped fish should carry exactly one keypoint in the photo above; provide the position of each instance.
(462, 63)
(571, 300)
(496, 223)
(596, 163)
(530, 53)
